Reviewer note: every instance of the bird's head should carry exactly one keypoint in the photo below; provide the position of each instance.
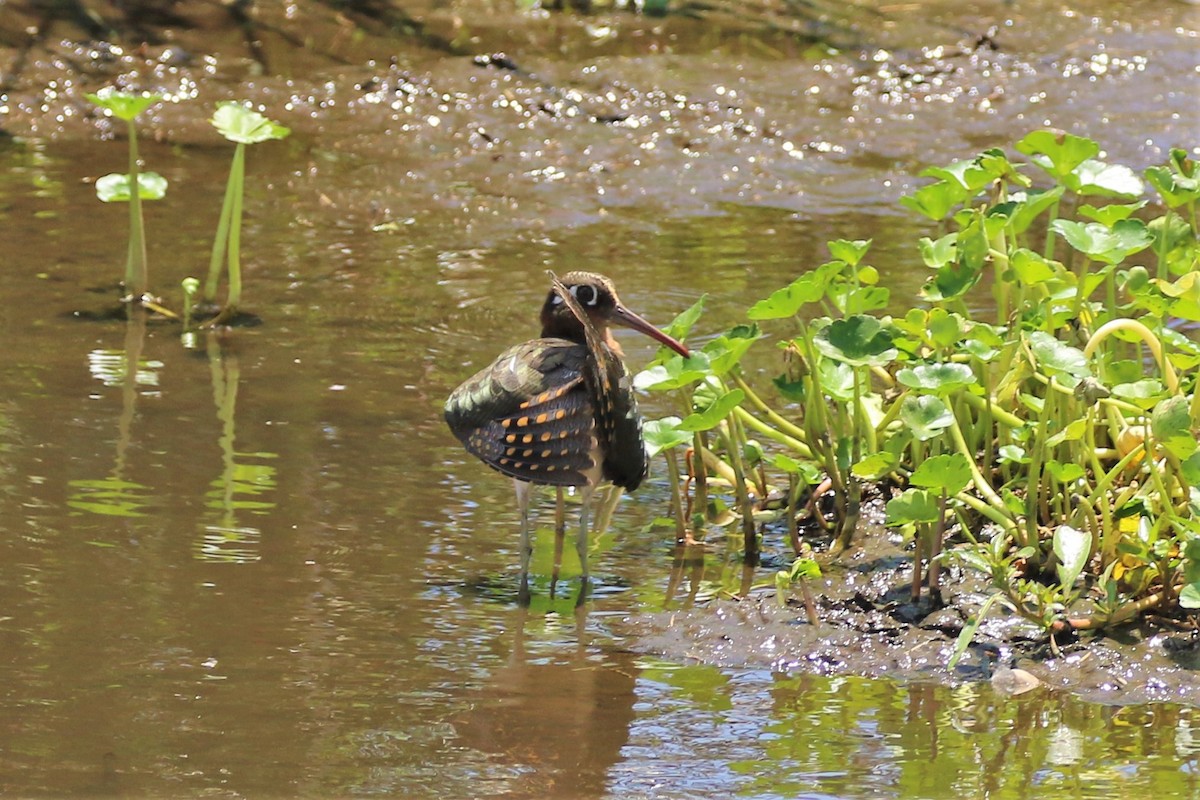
(595, 297)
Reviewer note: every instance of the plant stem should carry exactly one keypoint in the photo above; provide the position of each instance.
(787, 427)
(1148, 338)
(218, 248)
(237, 173)
(763, 428)
(135, 266)
(676, 498)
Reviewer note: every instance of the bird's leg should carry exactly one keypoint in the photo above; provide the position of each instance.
(523, 491)
(581, 542)
(560, 532)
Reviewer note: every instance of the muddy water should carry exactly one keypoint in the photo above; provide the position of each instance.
(257, 564)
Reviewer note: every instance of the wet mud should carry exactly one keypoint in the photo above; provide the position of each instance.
(869, 627)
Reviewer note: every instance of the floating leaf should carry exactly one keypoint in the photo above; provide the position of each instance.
(1184, 294)
(1013, 454)
(1144, 393)
(1073, 432)
(1064, 473)
(1029, 206)
(808, 471)
(1032, 268)
(1177, 183)
(115, 187)
(945, 327)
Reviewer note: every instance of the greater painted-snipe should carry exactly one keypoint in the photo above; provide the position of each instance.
(560, 410)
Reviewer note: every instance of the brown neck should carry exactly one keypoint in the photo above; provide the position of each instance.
(564, 325)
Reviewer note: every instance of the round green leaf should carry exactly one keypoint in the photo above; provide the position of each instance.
(716, 411)
(115, 187)
(1102, 243)
(1057, 358)
(913, 505)
(1056, 152)
(950, 473)
(941, 378)
(925, 415)
(245, 126)
(675, 373)
(859, 341)
(664, 434)
(123, 105)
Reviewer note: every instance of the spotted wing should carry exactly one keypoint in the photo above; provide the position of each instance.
(528, 414)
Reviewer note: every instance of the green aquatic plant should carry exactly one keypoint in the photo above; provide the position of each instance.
(243, 126)
(1055, 443)
(115, 187)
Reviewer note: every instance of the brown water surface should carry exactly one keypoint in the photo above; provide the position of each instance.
(257, 564)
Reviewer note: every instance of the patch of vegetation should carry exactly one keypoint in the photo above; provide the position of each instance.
(119, 188)
(238, 124)
(1054, 439)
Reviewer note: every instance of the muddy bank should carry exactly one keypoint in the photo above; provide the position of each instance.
(486, 122)
(869, 627)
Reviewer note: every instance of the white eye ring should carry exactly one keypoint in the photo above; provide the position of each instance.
(589, 299)
(557, 299)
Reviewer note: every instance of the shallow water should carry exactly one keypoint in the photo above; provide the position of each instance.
(260, 565)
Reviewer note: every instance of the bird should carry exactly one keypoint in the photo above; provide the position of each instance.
(560, 410)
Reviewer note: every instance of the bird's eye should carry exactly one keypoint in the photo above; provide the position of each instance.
(585, 294)
(557, 299)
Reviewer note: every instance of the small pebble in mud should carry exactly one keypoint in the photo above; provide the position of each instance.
(1013, 681)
